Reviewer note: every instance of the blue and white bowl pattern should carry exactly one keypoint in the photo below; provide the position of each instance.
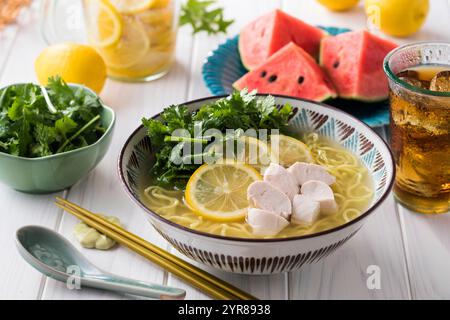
(268, 256)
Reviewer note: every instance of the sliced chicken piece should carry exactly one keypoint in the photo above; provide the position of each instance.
(322, 193)
(263, 195)
(280, 178)
(265, 223)
(304, 210)
(304, 172)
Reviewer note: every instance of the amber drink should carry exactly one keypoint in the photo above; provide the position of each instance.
(419, 80)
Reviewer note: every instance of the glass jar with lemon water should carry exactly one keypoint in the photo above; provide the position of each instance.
(136, 38)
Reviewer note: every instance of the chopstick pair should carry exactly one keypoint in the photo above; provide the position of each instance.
(193, 275)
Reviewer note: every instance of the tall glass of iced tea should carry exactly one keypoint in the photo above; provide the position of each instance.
(419, 81)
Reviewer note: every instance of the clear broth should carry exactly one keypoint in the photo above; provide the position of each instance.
(353, 192)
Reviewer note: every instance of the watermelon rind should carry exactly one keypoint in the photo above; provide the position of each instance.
(328, 91)
(319, 99)
(364, 98)
(240, 55)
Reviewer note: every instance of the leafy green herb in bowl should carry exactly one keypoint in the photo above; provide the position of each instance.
(37, 121)
(241, 110)
(51, 137)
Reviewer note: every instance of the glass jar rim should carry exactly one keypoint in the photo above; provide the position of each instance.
(392, 76)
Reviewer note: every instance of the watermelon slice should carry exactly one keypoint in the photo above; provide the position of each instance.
(270, 32)
(354, 63)
(290, 71)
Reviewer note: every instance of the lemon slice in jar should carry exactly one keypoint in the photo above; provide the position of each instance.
(132, 47)
(287, 150)
(219, 191)
(133, 6)
(105, 24)
(157, 17)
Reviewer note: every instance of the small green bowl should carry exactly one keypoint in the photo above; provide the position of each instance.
(60, 171)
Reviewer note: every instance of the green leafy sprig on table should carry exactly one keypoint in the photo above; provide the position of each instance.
(240, 110)
(201, 17)
(37, 121)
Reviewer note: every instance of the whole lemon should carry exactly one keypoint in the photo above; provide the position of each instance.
(399, 18)
(340, 5)
(75, 63)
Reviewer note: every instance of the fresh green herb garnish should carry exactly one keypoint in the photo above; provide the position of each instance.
(198, 14)
(240, 110)
(37, 121)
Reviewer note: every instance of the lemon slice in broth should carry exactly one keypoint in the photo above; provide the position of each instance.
(286, 150)
(219, 191)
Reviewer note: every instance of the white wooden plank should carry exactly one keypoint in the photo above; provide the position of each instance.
(268, 287)
(9, 34)
(428, 251)
(427, 240)
(102, 191)
(343, 275)
(263, 287)
(18, 280)
(314, 13)
(7, 37)
(19, 46)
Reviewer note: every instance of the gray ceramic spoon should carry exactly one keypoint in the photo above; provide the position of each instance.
(56, 257)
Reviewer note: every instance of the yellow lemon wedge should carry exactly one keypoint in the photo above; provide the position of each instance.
(105, 24)
(287, 150)
(133, 6)
(219, 191)
(131, 48)
(75, 63)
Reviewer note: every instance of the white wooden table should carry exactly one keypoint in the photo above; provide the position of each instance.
(411, 250)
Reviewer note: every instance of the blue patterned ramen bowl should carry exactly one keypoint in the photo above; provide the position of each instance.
(269, 256)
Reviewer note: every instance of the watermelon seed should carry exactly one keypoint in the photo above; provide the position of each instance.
(336, 64)
(301, 79)
(272, 78)
(263, 73)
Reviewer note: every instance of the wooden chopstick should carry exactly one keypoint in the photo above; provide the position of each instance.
(184, 274)
(240, 294)
(199, 278)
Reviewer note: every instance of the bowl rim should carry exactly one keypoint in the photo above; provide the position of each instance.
(62, 154)
(383, 197)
